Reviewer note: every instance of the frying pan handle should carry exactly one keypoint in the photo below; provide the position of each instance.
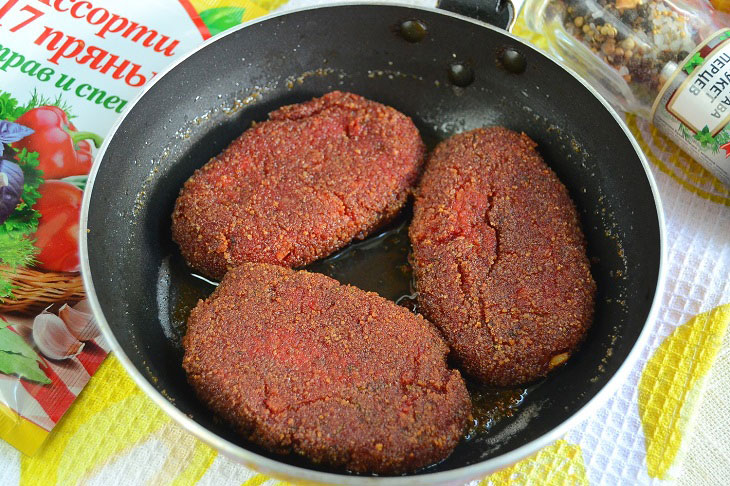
(500, 13)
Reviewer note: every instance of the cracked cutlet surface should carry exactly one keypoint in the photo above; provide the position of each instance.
(300, 363)
(295, 188)
(499, 257)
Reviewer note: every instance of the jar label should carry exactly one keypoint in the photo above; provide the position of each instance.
(693, 108)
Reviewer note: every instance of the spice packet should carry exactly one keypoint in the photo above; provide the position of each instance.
(68, 70)
(641, 55)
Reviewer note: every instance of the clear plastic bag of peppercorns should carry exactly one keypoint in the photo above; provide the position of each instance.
(665, 60)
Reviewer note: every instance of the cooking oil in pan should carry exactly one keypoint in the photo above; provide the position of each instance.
(378, 264)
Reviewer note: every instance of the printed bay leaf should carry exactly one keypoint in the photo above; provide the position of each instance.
(11, 342)
(17, 364)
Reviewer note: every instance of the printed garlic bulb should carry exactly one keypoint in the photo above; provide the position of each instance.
(53, 338)
(80, 320)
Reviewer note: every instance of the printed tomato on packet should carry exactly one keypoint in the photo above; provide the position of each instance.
(62, 152)
(57, 236)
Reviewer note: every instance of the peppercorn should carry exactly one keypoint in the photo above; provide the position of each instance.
(609, 47)
(666, 56)
(629, 16)
(628, 43)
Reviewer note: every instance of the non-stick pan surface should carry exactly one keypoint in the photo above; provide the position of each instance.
(133, 271)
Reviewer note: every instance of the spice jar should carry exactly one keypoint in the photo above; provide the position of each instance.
(665, 60)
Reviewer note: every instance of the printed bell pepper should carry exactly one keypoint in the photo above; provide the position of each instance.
(62, 150)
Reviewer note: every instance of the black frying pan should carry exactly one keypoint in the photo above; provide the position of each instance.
(141, 291)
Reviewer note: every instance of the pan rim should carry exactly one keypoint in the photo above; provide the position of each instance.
(286, 471)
